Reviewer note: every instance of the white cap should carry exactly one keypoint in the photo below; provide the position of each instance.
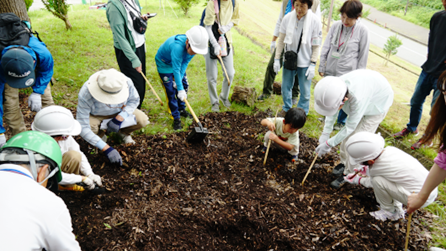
(363, 146)
(328, 95)
(198, 39)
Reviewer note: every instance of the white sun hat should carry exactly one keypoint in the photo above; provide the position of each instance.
(109, 86)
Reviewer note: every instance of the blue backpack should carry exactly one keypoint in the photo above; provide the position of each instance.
(204, 12)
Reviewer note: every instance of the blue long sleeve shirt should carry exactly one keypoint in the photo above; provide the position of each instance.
(172, 57)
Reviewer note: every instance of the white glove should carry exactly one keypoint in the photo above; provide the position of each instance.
(35, 102)
(364, 170)
(2, 139)
(182, 95)
(96, 179)
(273, 46)
(276, 66)
(88, 182)
(324, 137)
(217, 49)
(353, 178)
(323, 148)
(310, 71)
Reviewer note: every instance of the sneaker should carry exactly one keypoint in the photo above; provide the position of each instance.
(215, 107)
(281, 114)
(338, 126)
(294, 101)
(185, 114)
(263, 96)
(225, 102)
(264, 149)
(404, 133)
(128, 140)
(384, 215)
(177, 124)
(418, 145)
(338, 183)
(338, 170)
(294, 158)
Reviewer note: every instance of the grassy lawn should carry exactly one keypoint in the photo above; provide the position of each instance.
(89, 47)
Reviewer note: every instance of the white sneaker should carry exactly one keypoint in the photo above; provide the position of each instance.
(128, 140)
(383, 215)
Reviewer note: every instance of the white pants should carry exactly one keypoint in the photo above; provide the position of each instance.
(294, 151)
(212, 73)
(367, 124)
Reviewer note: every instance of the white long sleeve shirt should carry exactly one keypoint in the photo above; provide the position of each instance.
(85, 169)
(31, 216)
(369, 93)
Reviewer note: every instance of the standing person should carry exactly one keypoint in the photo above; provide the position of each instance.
(227, 18)
(346, 47)
(435, 129)
(365, 96)
(301, 32)
(130, 47)
(172, 60)
(59, 123)
(31, 216)
(109, 95)
(391, 173)
(431, 70)
(270, 75)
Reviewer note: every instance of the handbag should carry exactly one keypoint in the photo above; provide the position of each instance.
(139, 24)
(290, 57)
(217, 34)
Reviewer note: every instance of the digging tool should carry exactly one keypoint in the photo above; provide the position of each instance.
(79, 187)
(199, 133)
(408, 231)
(269, 141)
(308, 172)
(151, 87)
(224, 69)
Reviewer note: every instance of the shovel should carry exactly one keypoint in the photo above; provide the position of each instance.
(224, 69)
(308, 172)
(269, 141)
(153, 90)
(199, 133)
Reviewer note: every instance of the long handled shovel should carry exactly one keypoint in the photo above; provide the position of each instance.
(269, 141)
(199, 133)
(308, 172)
(224, 69)
(408, 231)
(151, 87)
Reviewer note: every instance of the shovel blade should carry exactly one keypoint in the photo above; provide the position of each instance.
(197, 135)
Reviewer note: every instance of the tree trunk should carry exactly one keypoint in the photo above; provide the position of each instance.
(15, 6)
(67, 23)
(244, 95)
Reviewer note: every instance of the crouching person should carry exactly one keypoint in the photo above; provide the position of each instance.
(31, 216)
(392, 173)
(109, 94)
(59, 123)
(285, 131)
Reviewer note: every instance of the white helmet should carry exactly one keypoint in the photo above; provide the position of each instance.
(328, 95)
(198, 39)
(364, 146)
(56, 120)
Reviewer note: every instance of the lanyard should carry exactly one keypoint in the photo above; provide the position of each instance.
(16, 171)
(339, 43)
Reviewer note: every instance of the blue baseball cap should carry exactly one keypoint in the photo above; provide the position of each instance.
(18, 67)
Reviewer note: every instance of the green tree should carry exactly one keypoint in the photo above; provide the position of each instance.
(28, 4)
(391, 46)
(185, 5)
(58, 8)
(325, 10)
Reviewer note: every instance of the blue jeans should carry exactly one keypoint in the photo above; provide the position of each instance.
(342, 117)
(287, 87)
(175, 104)
(423, 88)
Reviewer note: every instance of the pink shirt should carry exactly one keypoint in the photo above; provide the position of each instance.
(440, 160)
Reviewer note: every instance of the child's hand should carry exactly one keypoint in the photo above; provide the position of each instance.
(272, 127)
(273, 136)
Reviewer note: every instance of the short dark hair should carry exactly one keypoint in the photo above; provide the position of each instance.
(352, 8)
(308, 2)
(296, 117)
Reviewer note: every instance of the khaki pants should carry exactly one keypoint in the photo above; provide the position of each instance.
(71, 162)
(11, 107)
(141, 121)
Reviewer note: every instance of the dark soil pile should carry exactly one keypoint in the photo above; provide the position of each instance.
(217, 195)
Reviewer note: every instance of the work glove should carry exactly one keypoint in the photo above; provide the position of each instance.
(96, 178)
(35, 102)
(2, 139)
(113, 156)
(113, 125)
(182, 95)
(88, 182)
(217, 50)
(273, 46)
(353, 178)
(364, 170)
(310, 71)
(324, 137)
(276, 65)
(323, 148)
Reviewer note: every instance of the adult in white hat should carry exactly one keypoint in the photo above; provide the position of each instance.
(172, 60)
(109, 94)
(365, 96)
(392, 173)
(59, 123)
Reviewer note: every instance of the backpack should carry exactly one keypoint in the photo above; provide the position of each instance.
(13, 31)
(204, 12)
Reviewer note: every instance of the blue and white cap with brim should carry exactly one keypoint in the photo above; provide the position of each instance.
(18, 68)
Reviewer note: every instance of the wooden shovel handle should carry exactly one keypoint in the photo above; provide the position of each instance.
(308, 172)
(153, 90)
(269, 141)
(191, 111)
(224, 69)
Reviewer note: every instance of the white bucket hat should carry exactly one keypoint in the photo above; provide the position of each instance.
(109, 86)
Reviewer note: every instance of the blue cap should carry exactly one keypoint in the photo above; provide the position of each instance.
(18, 67)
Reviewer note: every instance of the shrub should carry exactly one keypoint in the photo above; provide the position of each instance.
(185, 5)
(28, 4)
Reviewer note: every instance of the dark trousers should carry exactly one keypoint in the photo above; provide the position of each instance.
(270, 75)
(342, 117)
(175, 104)
(126, 67)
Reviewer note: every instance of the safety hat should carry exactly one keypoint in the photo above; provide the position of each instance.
(56, 120)
(328, 95)
(198, 39)
(364, 146)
